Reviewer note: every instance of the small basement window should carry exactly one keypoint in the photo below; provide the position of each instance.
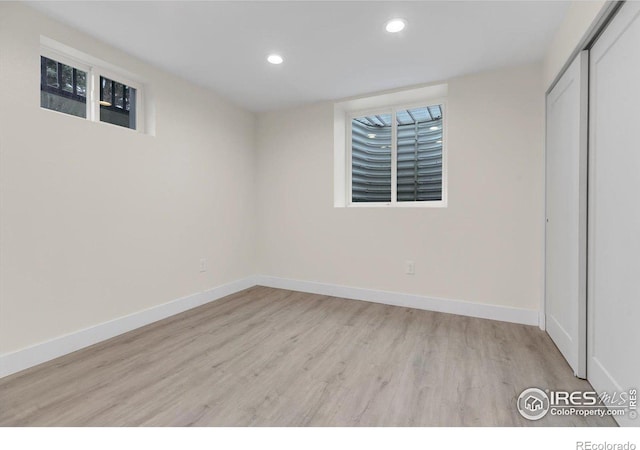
(396, 156)
(390, 149)
(80, 85)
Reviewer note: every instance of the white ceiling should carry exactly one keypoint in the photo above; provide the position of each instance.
(332, 50)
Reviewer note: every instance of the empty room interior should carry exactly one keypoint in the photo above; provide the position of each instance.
(319, 214)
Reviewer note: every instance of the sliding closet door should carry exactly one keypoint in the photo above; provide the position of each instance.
(566, 212)
(614, 206)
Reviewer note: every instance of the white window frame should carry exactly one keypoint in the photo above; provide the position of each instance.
(69, 61)
(394, 156)
(98, 72)
(95, 69)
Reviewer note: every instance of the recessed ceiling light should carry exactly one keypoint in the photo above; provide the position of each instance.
(275, 59)
(371, 135)
(395, 25)
(434, 128)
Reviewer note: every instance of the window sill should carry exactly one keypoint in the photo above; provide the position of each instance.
(425, 204)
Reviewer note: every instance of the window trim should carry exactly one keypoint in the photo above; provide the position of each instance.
(95, 68)
(350, 115)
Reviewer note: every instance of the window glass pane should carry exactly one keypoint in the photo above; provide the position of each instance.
(67, 77)
(105, 92)
(114, 108)
(419, 147)
(127, 91)
(371, 158)
(61, 98)
(119, 95)
(81, 83)
(51, 72)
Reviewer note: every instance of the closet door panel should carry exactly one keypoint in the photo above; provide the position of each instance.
(566, 194)
(614, 207)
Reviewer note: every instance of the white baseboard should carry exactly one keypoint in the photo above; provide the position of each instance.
(31, 356)
(54, 348)
(542, 321)
(463, 308)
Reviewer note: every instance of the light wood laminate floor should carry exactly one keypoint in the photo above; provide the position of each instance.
(271, 357)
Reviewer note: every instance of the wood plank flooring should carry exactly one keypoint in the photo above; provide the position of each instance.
(271, 357)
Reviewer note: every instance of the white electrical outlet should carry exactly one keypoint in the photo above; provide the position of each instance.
(203, 264)
(410, 267)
